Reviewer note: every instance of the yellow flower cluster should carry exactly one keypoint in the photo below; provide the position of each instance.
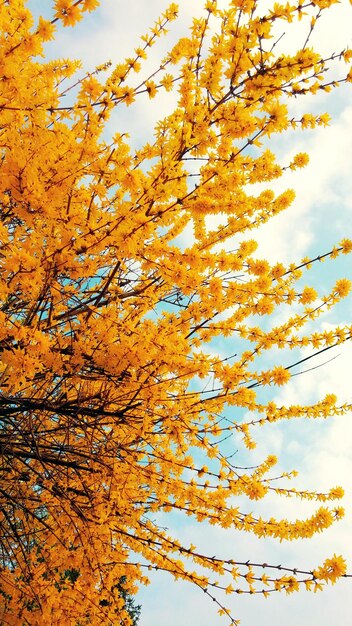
(114, 403)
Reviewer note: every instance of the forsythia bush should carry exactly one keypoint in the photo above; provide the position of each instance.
(106, 316)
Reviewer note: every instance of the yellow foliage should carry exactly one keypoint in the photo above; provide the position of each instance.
(105, 316)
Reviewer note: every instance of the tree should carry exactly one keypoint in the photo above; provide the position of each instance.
(107, 317)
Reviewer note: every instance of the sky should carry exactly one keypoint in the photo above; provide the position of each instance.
(320, 216)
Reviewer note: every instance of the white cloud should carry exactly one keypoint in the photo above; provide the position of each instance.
(323, 187)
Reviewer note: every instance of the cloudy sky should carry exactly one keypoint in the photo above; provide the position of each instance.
(321, 216)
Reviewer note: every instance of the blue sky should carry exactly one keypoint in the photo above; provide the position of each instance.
(321, 216)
